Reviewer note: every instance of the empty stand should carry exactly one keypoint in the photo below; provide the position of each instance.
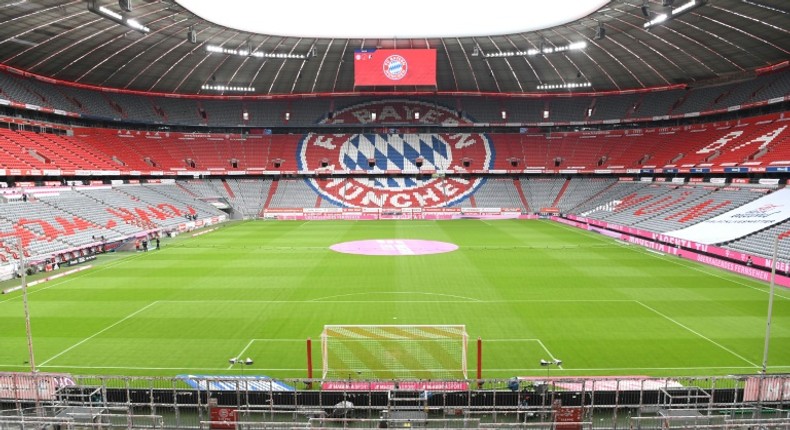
(303, 112)
(762, 242)
(497, 193)
(541, 192)
(61, 220)
(657, 103)
(758, 141)
(293, 193)
(249, 195)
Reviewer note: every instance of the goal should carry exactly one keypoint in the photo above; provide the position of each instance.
(394, 351)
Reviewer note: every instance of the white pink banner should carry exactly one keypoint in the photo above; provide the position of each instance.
(632, 383)
(767, 389)
(749, 218)
(392, 385)
(29, 386)
(316, 214)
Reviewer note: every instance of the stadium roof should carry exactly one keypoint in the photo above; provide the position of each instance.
(405, 19)
(720, 40)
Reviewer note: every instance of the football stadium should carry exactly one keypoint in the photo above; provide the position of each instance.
(567, 214)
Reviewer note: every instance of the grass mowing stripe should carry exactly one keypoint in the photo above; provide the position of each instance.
(322, 301)
(132, 315)
(697, 333)
(571, 289)
(620, 370)
(93, 270)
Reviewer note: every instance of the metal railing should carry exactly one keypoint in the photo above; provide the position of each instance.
(606, 403)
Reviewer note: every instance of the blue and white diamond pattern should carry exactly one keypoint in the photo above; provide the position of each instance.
(395, 152)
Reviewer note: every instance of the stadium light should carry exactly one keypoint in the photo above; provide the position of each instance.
(137, 26)
(110, 13)
(566, 85)
(657, 20)
(246, 51)
(116, 17)
(673, 13)
(544, 49)
(228, 88)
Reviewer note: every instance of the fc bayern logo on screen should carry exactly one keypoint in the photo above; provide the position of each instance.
(390, 169)
(395, 67)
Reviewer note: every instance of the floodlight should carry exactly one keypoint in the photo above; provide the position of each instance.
(137, 26)
(577, 45)
(110, 13)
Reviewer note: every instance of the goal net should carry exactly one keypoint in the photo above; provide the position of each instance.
(394, 351)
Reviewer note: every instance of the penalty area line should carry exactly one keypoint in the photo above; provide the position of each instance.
(240, 355)
(131, 315)
(538, 341)
(679, 324)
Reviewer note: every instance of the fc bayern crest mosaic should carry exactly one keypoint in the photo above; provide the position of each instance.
(382, 185)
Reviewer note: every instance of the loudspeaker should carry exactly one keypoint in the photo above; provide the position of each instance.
(600, 32)
(126, 5)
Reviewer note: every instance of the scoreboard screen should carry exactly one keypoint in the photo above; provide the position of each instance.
(388, 67)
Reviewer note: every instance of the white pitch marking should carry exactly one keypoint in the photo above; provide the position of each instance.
(696, 333)
(94, 269)
(587, 369)
(99, 332)
(240, 355)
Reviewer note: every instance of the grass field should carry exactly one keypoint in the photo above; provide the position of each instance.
(531, 290)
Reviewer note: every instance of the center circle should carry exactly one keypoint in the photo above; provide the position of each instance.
(394, 247)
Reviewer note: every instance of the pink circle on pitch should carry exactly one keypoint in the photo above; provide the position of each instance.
(393, 247)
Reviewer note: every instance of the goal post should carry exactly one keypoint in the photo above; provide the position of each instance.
(394, 351)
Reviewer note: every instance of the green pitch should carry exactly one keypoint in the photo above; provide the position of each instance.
(531, 290)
